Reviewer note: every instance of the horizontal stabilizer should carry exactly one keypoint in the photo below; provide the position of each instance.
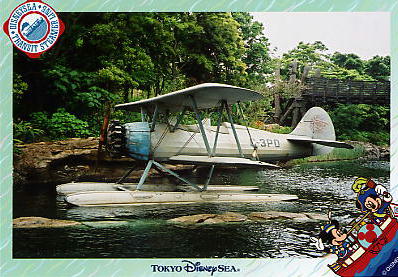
(331, 143)
(205, 160)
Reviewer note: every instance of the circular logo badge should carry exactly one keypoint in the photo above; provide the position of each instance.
(368, 234)
(34, 27)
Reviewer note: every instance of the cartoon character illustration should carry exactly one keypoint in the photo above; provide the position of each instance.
(368, 235)
(372, 197)
(333, 235)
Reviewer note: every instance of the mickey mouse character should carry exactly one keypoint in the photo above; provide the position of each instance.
(372, 197)
(332, 234)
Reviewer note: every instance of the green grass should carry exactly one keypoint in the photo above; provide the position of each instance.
(336, 155)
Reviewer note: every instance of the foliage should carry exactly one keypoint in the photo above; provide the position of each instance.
(336, 66)
(369, 123)
(60, 125)
(337, 154)
(17, 144)
(80, 91)
(19, 87)
(312, 54)
(378, 67)
(282, 130)
(348, 61)
(25, 132)
(256, 56)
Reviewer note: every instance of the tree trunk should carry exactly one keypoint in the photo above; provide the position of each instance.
(278, 108)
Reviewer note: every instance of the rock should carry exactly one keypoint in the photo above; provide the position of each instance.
(41, 222)
(227, 217)
(320, 217)
(191, 219)
(274, 215)
(210, 218)
(232, 217)
(372, 152)
(255, 216)
(384, 153)
(60, 161)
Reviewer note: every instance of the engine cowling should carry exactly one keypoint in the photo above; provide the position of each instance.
(130, 139)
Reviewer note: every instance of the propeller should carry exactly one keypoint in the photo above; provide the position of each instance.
(103, 134)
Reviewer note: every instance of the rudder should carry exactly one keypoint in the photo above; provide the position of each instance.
(316, 124)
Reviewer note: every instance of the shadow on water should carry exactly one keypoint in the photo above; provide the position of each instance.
(143, 231)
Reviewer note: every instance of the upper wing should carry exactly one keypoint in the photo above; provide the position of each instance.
(226, 161)
(207, 95)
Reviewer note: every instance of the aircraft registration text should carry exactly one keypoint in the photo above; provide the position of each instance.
(267, 142)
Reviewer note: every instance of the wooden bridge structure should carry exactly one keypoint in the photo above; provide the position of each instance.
(318, 91)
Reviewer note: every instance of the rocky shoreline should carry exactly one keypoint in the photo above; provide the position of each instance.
(229, 217)
(198, 219)
(76, 160)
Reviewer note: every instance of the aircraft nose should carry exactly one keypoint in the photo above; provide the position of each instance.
(138, 140)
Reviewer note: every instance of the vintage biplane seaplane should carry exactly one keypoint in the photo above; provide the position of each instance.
(226, 144)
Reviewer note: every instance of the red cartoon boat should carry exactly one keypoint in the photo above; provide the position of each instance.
(367, 236)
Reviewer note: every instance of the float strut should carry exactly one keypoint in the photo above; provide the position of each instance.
(161, 167)
(208, 178)
(120, 181)
(145, 174)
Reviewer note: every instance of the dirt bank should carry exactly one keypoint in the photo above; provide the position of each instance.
(71, 160)
(76, 160)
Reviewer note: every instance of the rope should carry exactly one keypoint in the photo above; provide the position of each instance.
(353, 227)
(162, 136)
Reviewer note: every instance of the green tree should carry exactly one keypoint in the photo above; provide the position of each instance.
(379, 67)
(337, 66)
(362, 122)
(257, 55)
(348, 61)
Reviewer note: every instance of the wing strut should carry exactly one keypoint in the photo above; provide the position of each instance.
(233, 128)
(220, 110)
(202, 129)
(154, 117)
(180, 116)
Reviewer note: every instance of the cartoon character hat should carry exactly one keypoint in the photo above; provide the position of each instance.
(362, 184)
(328, 228)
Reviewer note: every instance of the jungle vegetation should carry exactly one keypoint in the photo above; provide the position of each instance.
(108, 58)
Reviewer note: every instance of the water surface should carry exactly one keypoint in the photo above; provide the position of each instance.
(143, 231)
